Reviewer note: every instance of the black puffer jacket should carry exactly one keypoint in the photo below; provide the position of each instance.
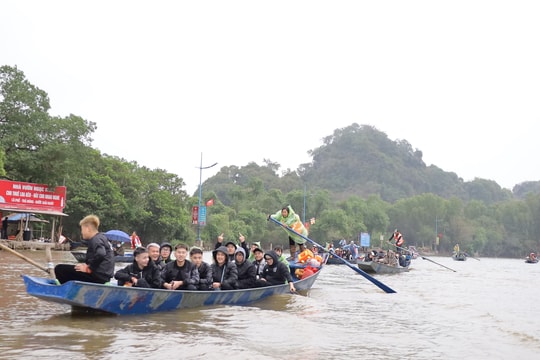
(149, 277)
(277, 273)
(247, 272)
(100, 257)
(187, 273)
(226, 274)
(205, 276)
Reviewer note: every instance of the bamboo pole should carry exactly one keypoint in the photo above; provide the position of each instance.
(16, 253)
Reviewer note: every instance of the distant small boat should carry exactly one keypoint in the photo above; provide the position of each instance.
(126, 258)
(375, 267)
(461, 256)
(531, 259)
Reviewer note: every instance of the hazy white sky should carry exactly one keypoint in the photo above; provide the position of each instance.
(243, 81)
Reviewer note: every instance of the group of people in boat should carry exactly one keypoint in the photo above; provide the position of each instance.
(233, 267)
(388, 257)
(346, 251)
(400, 257)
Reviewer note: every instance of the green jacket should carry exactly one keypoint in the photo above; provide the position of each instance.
(292, 221)
(284, 260)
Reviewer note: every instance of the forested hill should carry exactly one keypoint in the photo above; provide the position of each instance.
(361, 160)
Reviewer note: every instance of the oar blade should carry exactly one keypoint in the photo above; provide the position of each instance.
(382, 286)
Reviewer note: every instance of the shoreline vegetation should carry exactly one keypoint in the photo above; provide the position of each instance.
(359, 181)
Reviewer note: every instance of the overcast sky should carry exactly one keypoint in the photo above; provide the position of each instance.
(243, 81)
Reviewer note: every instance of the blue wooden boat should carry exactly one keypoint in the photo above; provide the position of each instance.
(122, 300)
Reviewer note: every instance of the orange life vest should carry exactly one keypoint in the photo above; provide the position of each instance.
(305, 255)
(399, 239)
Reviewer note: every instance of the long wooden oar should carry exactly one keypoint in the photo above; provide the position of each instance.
(471, 256)
(24, 258)
(382, 286)
(425, 258)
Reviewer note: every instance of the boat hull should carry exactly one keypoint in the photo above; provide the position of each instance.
(122, 300)
(374, 267)
(459, 257)
(332, 260)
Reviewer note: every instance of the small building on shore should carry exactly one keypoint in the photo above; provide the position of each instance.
(24, 208)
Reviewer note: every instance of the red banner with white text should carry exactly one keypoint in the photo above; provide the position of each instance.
(29, 197)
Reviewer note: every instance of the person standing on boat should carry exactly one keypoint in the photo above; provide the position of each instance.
(135, 241)
(398, 240)
(4, 228)
(180, 274)
(98, 266)
(142, 272)
(224, 272)
(288, 217)
(204, 269)
(353, 250)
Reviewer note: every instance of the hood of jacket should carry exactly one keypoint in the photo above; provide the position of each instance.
(291, 211)
(241, 251)
(222, 249)
(274, 256)
(166, 244)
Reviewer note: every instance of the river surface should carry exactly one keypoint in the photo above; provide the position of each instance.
(486, 309)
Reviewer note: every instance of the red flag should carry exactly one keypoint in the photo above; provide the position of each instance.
(210, 202)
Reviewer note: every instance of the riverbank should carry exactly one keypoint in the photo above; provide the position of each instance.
(34, 245)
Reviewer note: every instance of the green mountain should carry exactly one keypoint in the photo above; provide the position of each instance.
(361, 160)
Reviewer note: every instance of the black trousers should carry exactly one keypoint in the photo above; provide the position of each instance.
(67, 272)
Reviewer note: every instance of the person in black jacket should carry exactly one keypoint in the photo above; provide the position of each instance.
(224, 272)
(98, 266)
(247, 272)
(205, 271)
(4, 228)
(142, 272)
(275, 272)
(180, 274)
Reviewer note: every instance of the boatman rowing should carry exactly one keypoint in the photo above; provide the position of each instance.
(398, 240)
